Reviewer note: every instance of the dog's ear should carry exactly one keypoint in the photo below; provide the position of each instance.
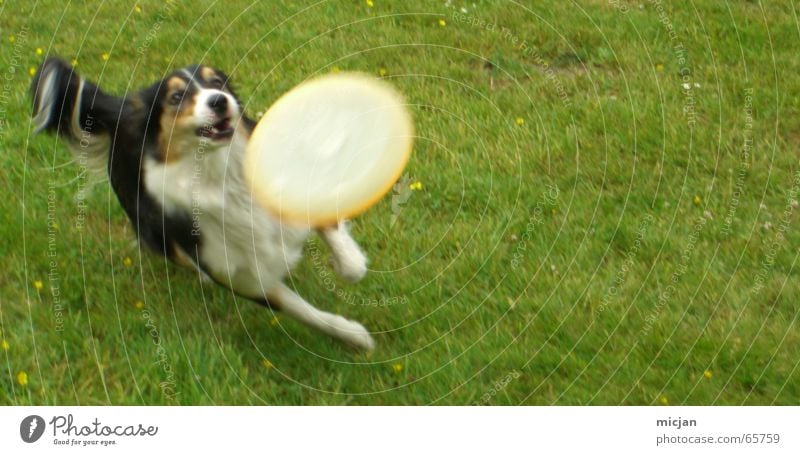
(66, 104)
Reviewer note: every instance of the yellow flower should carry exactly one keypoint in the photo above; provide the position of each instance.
(11, 38)
(127, 262)
(663, 400)
(39, 51)
(5, 345)
(74, 62)
(520, 121)
(38, 285)
(370, 3)
(708, 374)
(274, 321)
(22, 378)
(442, 23)
(696, 200)
(335, 69)
(415, 186)
(659, 67)
(137, 8)
(383, 72)
(105, 56)
(397, 367)
(139, 304)
(32, 71)
(267, 364)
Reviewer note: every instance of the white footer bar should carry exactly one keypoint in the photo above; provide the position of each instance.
(396, 430)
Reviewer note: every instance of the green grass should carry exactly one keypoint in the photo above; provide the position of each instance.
(615, 292)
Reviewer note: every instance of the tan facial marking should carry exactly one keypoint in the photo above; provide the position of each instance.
(207, 73)
(176, 122)
(174, 84)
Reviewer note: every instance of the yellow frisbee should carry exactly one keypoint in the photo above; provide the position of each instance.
(329, 149)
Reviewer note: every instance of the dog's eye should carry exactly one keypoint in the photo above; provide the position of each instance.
(216, 82)
(176, 98)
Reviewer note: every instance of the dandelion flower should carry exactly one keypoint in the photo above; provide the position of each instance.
(397, 367)
(267, 364)
(105, 56)
(663, 400)
(416, 186)
(370, 3)
(127, 262)
(442, 23)
(32, 71)
(11, 38)
(39, 51)
(38, 285)
(383, 72)
(74, 62)
(137, 8)
(696, 200)
(274, 321)
(335, 69)
(520, 121)
(4, 344)
(708, 374)
(660, 68)
(22, 378)
(139, 304)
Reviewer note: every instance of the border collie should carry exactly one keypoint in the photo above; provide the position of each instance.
(173, 153)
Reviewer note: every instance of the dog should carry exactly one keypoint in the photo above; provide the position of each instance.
(173, 155)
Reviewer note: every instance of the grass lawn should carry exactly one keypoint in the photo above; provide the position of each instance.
(607, 211)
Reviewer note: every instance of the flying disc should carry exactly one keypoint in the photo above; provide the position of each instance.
(329, 149)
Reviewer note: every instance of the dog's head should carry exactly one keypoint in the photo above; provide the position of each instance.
(193, 108)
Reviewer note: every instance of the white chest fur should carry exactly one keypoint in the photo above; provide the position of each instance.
(241, 245)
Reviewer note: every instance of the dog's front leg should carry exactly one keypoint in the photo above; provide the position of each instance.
(291, 304)
(349, 261)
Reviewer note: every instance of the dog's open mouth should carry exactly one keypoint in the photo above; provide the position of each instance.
(216, 131)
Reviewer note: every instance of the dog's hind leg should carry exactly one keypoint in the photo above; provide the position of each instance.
(349, 261)
(287, 301)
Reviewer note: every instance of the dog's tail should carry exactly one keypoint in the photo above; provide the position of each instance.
(66, 104)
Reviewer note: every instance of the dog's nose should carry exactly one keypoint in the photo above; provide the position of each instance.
(218, 104)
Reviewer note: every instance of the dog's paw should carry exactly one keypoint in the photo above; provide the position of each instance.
(354, 334)
(351, 266)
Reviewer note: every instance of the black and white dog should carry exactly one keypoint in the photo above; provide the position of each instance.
(173, 153)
